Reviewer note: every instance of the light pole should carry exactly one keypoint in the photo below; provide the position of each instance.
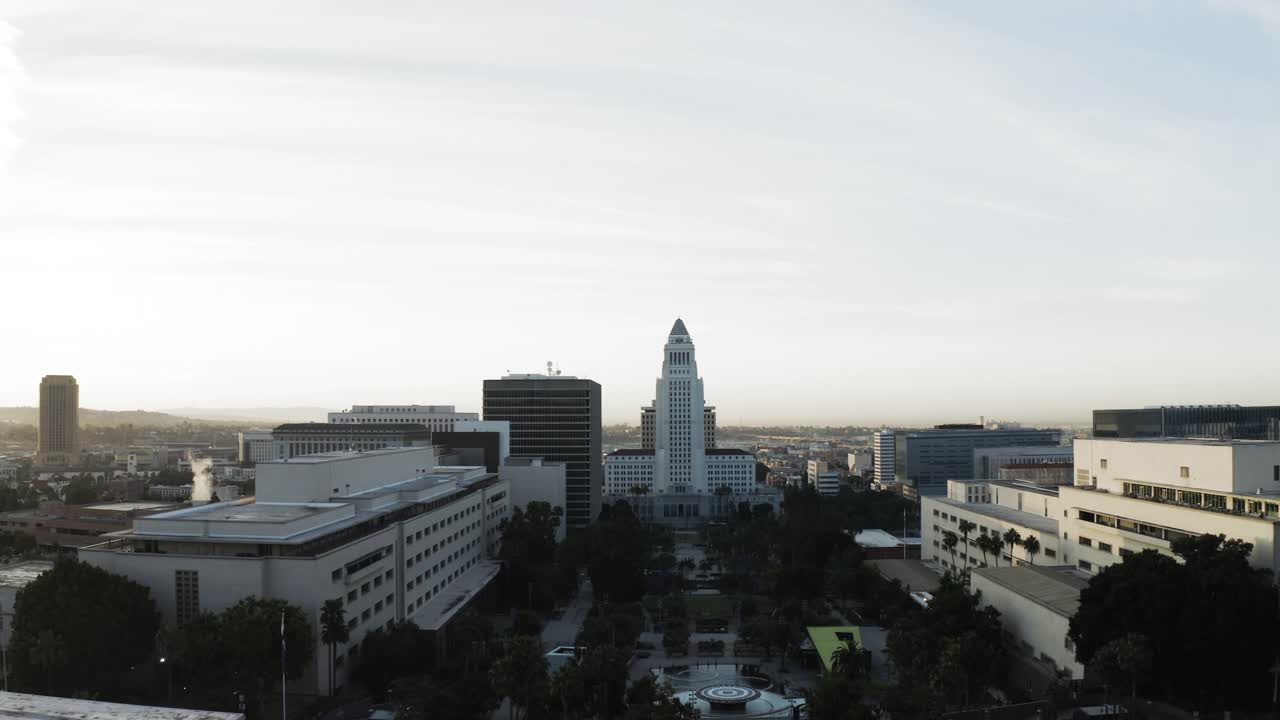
(4, 650)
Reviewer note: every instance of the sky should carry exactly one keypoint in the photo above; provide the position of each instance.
(865, 212)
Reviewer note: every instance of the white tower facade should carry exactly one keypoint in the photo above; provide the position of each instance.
(679, 435)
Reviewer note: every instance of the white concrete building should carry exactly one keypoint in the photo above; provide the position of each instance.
(256, 446)
(438, 418)
(884, 456)
(860, 463)
(533, 479)
(824, 478)
(386, 532)
(1036, 605)
(502, 427)
(677, 459)
(21, 706)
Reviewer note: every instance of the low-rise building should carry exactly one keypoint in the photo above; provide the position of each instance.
(12, 579)
(436, 418)
(860, 463)
(256, 446)
(988, 461)
(57, 526)
(20, 706)
(387, 533)
(297, 439)
(1036, 604)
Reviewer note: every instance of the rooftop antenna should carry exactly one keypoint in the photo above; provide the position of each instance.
(550, 372)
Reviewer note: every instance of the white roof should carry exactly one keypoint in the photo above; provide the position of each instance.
(877, 538)
(19, 706)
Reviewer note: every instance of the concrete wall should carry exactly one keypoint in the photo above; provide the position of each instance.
(1031, 623)
(544, 482)
(308, 481)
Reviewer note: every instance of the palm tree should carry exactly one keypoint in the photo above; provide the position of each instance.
(1013, 538)
(949, 541)
(845, 659)
(984, 544)
(333, 630)
(1032, 546)
(639, 490)
(50, 653)
(997, 547)
(966, 527)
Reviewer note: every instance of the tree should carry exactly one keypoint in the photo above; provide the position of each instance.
(528, 555)
(333, 630)
(675, 636)
(949, 542)
(527, 623)
(403, 650)
(1012, 538)
(946, 653)
(649, 700)
(251, 634)
(50, 654)
(1129, 656)
(1031, 544)
(966, 527)
(96, 615)
(82, 490)
(639, 490)
(984, 544)
(448, 692)
(522, 676)
(1200, 618)
(997, 548)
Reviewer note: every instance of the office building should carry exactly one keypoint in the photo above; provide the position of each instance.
(824, 478)
(1222, 422)
(860, 463)
(989, 461)
(387, 533)
(557, 418)
(534, 480)
(297, 439)
(59, 437)
(436, 418)
(255, 446)
(648, 421)
(932, 457)
(883, 455)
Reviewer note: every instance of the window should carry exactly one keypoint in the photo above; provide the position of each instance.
(1104, 547)
(337, 574)
(1086, 565)
(1125, 552)
(364, 589)
(1184, 472)
(187, 594)
(1275, 473)
(1066, 643)
(1049, 553)
(1085, 541)
(351, 596)
(1103, 463)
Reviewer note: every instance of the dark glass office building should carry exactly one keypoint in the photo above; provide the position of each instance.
(557, 418)
(932, 457)
(1224, 422)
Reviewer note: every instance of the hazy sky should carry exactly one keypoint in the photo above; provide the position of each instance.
(864, 211)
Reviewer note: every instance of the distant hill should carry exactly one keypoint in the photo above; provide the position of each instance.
(261, 415)
(103, 418)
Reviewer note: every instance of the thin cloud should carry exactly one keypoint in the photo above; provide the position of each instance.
(1150, 294)
(1188, 269)
(12, 79)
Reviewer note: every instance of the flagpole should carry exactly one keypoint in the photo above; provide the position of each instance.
(284, 694)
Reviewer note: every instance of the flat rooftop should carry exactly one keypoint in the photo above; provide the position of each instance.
(1000, 512)
(19, 574)
(320, 458)
(1056, 587)
(882, 539)
(1190, 441)
(129, 506)
(255, 512)
(19, 706)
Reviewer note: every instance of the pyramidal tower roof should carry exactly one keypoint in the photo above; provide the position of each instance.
(678, 328)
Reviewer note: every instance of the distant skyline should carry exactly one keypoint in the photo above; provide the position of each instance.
(864, 212)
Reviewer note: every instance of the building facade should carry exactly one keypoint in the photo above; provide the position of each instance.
(556, 418)
(1036, 605)
(436, 418)
(648, 421)
(923, 457)
(297, 439)
(860, 463)
(987, 461)
(388, 534)
(1222, 422)
(1129, 495)
(59, 436)
(883, 457)
(256, 446)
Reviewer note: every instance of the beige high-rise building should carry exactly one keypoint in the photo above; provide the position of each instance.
(59, 422)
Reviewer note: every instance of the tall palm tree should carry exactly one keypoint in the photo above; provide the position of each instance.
(50, 653)
(966, 527)
(984, 544)
(1012, 538)
(333, 630)
(997, 547)
(1032, 546)
(949, 541)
